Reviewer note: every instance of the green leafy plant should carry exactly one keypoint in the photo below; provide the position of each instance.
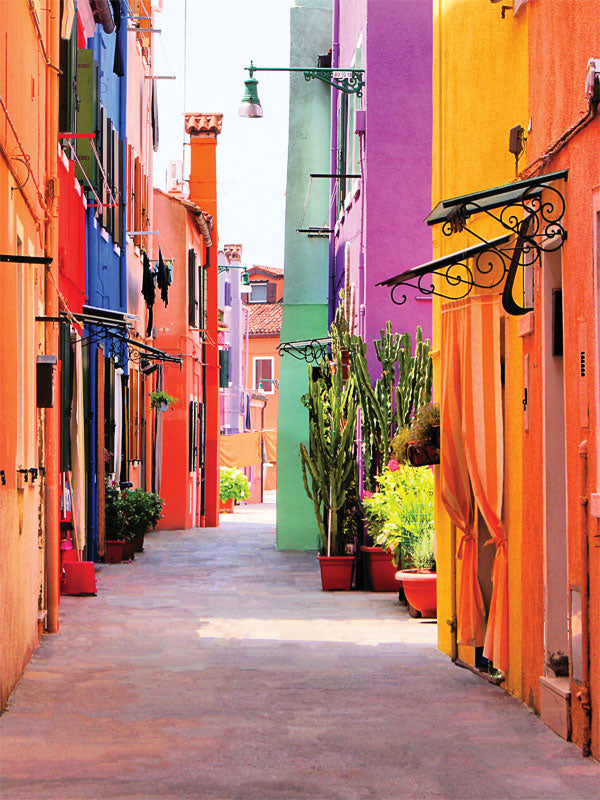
(421, 552)
(234, 485)
(425, 426)
(159, 398)
(130, 513)
(400, 512)
(400, 443)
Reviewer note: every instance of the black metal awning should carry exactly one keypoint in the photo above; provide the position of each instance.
(309, 350)
(531, 211)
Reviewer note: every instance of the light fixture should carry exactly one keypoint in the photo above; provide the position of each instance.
(349, 81)
(245, 278)
(250, 105)
(245, 288)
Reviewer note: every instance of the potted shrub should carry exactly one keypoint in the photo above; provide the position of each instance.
(401, 511)
(329, 469)
(161, 401)
(115, 524)
(233, 487)
(424, 445)
(142, 511)
(420, 582)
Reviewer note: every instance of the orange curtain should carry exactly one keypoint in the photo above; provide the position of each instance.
(240, 449)
(270, 440)
(456, 492)
(473, 394)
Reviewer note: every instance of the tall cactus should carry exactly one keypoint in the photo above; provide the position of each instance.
(331, 462)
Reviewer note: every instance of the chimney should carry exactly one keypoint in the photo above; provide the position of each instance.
(233, 252)
(203, 130)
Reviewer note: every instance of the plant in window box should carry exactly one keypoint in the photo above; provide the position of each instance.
(161, 400)
(233, 487)
(424, 445)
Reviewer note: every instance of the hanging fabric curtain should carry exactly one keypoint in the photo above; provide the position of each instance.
(78, 447)
(456, 492)
(472, 435)
(240, 449)
(483, 433)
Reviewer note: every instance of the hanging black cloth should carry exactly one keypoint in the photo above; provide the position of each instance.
(118, 66)
(148, 292)
(154, 117)
(163, 279)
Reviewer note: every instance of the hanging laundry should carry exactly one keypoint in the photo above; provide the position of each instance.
(163, 279)
(148, 292)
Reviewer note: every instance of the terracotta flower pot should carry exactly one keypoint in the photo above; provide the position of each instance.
(113, 551)
(420, 588)
(336, 572)
(129, 550)
(421, 455)
(382, 572)
(226, 506)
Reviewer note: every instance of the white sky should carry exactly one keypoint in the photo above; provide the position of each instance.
(222, 37)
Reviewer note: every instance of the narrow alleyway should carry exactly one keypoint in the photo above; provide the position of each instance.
(214, 667)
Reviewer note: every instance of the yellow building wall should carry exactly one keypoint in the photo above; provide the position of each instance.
(480, 84)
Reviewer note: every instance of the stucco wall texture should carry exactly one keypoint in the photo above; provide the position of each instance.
(560, 44)
(306, 265)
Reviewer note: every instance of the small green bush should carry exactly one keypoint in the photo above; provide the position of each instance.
(159, 397)
(234, 485)
(131, 513)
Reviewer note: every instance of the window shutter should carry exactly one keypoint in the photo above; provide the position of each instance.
(66, 394)
(104, 152)
(192, 290)
(68, 83)
(87, 115)
(202, 296)
(192, 436)
(271, 292)
(224, 369)
(227, 298)
(202, 437)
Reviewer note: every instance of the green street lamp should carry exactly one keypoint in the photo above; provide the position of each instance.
(349, 81)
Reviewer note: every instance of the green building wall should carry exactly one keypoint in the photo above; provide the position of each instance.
(306, 263)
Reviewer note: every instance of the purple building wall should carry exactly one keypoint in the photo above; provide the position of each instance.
(381, 223)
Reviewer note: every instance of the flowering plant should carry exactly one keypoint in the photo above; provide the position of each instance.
(400, 513)
(130, 513)
(159, 398)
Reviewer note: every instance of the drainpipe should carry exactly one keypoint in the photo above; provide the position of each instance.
(51, 310)
(335, 60)
(123, 199)
(583, 696)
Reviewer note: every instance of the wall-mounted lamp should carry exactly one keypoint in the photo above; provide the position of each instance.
(245, 287)
(349, 81)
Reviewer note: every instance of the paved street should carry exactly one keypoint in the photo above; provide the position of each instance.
(215, 667)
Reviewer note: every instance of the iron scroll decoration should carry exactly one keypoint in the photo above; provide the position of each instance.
(119, 346)
(352, 83)
(534, 221)
(311, 351)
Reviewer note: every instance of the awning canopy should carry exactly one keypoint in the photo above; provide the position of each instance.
(309, 350)
(531, 211)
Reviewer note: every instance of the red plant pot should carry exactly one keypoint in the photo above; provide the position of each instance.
(139, 543)
(79, 578)
(129, 550)
(226, 506)
(382, 572)
(420, 589)
(113, 551)
(336, 573)
(422, 455)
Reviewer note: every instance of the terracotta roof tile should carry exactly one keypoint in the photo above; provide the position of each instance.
(265, 318)
(203, 123)
(272, 270)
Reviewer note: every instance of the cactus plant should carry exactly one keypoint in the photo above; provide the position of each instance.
(331, 462)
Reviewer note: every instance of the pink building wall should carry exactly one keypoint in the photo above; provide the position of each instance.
(394, 197)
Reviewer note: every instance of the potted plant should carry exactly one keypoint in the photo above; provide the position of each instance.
(329, 468)
(424, 445)
(233, 487)
(115, 524)
(401, 511)
(161, 400)
(142, 510)
(420, 582)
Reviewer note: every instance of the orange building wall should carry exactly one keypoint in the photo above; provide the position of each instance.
(263, 347)
(560, 44)
(180, 487)
(28, 436)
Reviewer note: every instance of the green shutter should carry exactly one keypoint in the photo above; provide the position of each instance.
(224, 369)
(86, 114)
(67, 91)
(192, 290)
(66, 394)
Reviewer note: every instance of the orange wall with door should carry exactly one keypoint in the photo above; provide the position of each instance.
(561, 41)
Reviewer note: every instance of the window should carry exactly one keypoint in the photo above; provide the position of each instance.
(192, 289)
(263, 374)
(259, 293)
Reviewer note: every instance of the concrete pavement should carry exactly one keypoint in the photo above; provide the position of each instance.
(214, 667)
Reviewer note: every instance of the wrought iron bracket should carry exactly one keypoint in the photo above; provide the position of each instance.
(309, 350)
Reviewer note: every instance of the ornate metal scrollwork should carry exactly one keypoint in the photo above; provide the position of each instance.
(119, 346)
(351, 85)
(310, 351)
